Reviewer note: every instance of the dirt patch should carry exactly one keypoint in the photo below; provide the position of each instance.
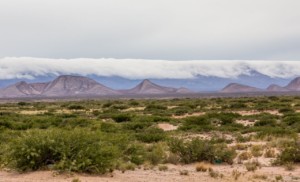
(134, 109)
(171, 175)
(33, 112)
(188, 115)
(167, 127)
(247, 113)
(245, 122)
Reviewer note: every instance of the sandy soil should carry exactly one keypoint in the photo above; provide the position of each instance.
(134, 109)
(167, 127)
(188, 115)
(35, 112)
(171, 175)
(247, 113)
(245, 122)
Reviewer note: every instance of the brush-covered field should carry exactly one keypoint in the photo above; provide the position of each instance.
(212, 139)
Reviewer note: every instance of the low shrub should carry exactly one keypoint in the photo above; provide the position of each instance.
(245, 156)
(156, 154)
(198, 150)
(135, 153)
(202, 167)
(122, 118)
(151, 135)
(77, 150)
(155, 107)
(290, 154)
(289, 166)
(163, 168)
(270, 153)
(184, 172)
(252, 166)
(76, 107)
(236, 174)
(256, 150)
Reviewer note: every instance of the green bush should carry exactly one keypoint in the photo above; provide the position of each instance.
(76, 107)
(77, 150)
(122, 118)
(151, 135)
(155, 107)
(156, 154)
(290, 154)
(198, 150)
(135, 153)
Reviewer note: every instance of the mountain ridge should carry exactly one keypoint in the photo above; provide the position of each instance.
(70, 85)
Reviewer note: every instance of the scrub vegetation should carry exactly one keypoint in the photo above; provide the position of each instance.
(101, 136)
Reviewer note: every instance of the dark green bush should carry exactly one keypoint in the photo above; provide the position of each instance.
(286, 110)
(135, 153)
(109, 127)
(122, 118)
(151, 135)
(22, 103)
(291, 119)
(76, 107)
(156, 107)
(224, 118)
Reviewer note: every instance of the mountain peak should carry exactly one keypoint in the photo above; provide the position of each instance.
(276, 88)
(236, 88)
(148, 87)
(294, 85)
(146, 81)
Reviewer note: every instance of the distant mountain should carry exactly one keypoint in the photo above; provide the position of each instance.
(67, 85)
(183, 90)
(76, 85)
(294, 85)
(62, 86)
(19, 89)
(276, 88)
(238, 88)
(198, 83)
(148, 87)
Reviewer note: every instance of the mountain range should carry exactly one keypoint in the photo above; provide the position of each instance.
(292, 86)
(199, 83)
(70, 85)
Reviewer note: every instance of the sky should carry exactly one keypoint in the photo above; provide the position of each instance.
(156, 29)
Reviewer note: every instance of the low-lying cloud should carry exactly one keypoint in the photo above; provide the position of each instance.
(30, 68)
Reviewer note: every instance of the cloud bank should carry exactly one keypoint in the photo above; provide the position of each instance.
(30, 68)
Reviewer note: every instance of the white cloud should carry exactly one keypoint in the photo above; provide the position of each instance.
(29, 68)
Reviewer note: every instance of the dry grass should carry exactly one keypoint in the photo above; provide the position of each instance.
(163, 168)
(270, 153)
(245, 156)
(203, 167)
(184, 172)
(240, 146)
(236, 174)
(260, 176)
(252, 166)
(289, 166)
(257, 150)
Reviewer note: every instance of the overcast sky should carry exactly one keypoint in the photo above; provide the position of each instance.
(151, 29)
